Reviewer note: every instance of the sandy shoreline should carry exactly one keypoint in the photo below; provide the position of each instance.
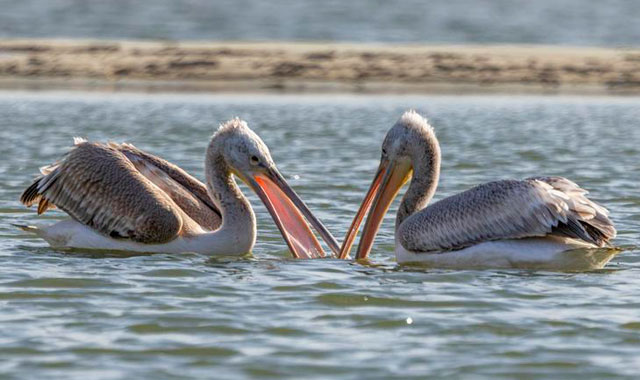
(315, 67)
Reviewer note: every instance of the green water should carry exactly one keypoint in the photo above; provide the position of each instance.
(88, 315)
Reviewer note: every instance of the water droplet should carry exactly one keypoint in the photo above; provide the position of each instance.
(295, 176)
(409, 320)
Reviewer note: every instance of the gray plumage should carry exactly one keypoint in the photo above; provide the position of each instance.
(124, 192)
(499, 210)
(507, 209)
(189, 193)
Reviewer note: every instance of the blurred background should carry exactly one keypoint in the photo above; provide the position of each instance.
(566, 22)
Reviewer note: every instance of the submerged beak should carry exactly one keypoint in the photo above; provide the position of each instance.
(289, 213)
(385, 186)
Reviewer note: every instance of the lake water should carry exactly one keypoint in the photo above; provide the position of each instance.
(89, 315)
(577, 22)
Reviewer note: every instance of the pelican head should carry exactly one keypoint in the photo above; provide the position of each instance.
(238, 149)
(410, 144)
(242, 149)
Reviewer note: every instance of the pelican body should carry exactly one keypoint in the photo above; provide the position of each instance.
(533, 223)
(122, 198)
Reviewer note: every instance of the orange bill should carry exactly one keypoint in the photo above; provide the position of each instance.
(292, 224)
(362, 211)
(385, 187)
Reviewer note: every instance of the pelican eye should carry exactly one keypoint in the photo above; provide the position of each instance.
(384, 152)
(254, 160)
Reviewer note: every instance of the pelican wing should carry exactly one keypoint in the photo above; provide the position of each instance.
(508, 209)
(186, 191)
(99, 186)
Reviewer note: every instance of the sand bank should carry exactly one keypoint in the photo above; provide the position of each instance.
(316, 67)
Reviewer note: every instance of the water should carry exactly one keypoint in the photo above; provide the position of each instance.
(90, 315)
(577, 22)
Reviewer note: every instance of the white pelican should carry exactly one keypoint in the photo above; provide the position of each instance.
(533, 223)
(121, 198)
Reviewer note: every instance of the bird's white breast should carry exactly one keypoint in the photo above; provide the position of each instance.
(71, 234)
(550, 253)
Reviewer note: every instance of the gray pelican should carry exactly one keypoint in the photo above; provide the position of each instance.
(531, 223)
(121, 198)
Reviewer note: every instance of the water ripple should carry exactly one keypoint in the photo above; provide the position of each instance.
(79, 314)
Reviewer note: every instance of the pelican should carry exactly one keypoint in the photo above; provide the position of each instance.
(121, 198)
(533, 223)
